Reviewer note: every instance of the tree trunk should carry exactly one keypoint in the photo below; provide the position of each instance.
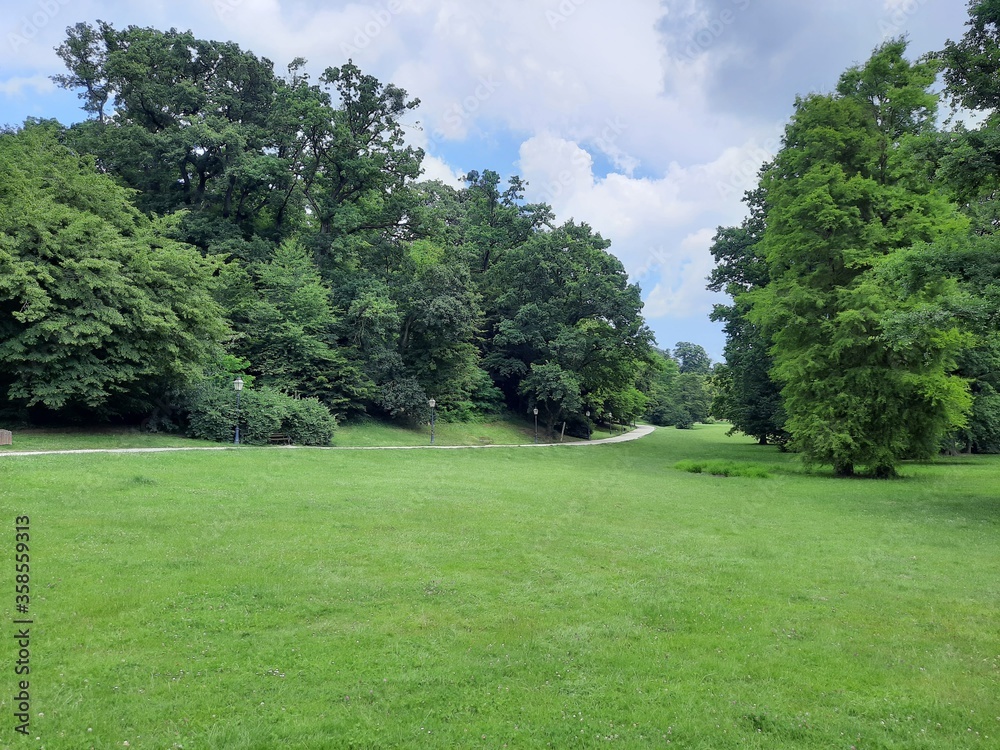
(844, 469)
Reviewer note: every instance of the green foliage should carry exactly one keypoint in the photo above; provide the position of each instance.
(745, 393)
(677, 398)
(627, 405)
(658, 382)
(102, 310)
(692, 358)
(404, 399)
(555, 391)
(971, 64)
(496, 221)
(692, 399)
(211, 412)
(441, 319)
(564, 303)
(865, 362)
(344, 279)
(191, 120)
(722, 468)
(283, 312)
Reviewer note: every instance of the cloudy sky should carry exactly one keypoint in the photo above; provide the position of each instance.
(647, 119)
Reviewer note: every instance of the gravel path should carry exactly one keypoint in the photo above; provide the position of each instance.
(638, 432)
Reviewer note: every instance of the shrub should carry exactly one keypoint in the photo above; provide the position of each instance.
(309, 422)
(211, 415)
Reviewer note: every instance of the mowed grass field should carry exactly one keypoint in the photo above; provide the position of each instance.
(366, 433)
(556, 597)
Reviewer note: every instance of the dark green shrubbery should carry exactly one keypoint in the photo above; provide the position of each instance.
(211, 415)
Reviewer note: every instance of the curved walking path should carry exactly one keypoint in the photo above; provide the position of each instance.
(638, 432)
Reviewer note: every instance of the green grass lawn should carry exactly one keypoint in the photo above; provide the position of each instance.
(500, 432)
(40, 439)
(367, 433)
(267, 598)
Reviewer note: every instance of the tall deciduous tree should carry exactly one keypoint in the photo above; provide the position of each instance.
(970, 165)
(746, 394)
(100, 310)
(183, 120)
(692, 358)
(864, 363)
(564, 301)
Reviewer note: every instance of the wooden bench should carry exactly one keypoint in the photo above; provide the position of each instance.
(279, 438)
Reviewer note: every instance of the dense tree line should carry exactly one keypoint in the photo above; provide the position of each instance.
(864, 323)
(212, 219)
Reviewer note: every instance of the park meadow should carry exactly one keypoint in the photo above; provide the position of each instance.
(563, 596)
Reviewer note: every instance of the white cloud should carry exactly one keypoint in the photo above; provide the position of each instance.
(680, 292)
(20, 86)
(438, 169)
(661, 228)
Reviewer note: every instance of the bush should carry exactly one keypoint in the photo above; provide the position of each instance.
(309, 422)
(723, 469)
(211, 415)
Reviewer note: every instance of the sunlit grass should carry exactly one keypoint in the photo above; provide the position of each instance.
(362, 433)
(54, 439)
(553, 598)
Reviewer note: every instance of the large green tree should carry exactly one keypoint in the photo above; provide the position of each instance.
(970, 166)
(185, 121)
(564, 301)
(285, 320)
(864, 362)
(101, 311)
(746, 394)
(208, 126)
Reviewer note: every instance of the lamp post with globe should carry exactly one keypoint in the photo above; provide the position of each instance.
(238, 386)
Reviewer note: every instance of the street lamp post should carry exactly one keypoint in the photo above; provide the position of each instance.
(432, 403)
(588, 424)
(238, 385)
(535, 412)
